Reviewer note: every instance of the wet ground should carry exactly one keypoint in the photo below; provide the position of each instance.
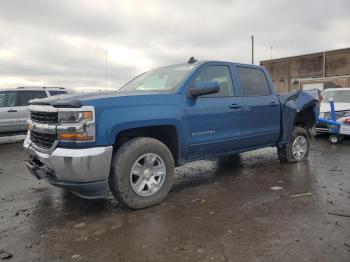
(217, 211)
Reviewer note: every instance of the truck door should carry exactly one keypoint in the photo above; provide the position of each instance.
(9, 112)
(262, 121)
(213, 120)
(14, 109)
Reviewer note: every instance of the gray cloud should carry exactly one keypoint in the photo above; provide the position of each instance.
(63, 42)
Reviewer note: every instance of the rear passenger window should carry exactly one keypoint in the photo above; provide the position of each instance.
(253, 82)
(25, 96)
(222, 75)
(54, 93)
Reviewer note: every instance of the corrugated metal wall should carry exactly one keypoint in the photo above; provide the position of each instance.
(288, 72)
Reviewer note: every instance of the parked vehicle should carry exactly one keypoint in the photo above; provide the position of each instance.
(338, 128)
(14, 111)
(132, 139)
(341, 98)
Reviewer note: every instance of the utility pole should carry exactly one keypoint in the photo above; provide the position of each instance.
(106, 68)
(252, 37)
(271, 47)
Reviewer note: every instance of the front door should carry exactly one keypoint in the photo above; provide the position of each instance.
(10, 112)
(214, 120)
(14, 108)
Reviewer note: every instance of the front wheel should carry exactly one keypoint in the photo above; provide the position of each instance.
(141, 173)
(297, 150)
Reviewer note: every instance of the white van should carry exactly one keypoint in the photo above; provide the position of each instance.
(13, 105)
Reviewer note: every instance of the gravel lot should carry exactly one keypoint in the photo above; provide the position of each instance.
(246, 209)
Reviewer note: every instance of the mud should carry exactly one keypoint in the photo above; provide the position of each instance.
(250, 208)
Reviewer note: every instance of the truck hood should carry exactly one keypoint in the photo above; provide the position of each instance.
(325, 107)
(74, 100)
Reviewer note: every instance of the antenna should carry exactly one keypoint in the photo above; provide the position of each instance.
(192, 60)
(106, 69)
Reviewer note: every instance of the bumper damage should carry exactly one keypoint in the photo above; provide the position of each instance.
(83, 171)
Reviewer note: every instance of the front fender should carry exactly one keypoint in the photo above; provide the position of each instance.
(115, 120)
(293, 104)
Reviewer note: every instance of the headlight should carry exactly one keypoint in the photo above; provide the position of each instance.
(76, 126)
(74, 117)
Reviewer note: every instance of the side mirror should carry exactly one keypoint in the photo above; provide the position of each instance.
(203, 88)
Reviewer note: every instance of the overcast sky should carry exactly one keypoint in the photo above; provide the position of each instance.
(63, 43)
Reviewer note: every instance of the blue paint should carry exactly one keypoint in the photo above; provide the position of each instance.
(205, 126)
(334, 125)
(333, 113)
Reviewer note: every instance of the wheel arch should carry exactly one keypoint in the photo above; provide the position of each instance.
(305, 118)
(167, 134)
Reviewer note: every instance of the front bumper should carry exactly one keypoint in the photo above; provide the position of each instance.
(84, 171)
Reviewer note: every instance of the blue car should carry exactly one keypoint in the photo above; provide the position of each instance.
(131, 140)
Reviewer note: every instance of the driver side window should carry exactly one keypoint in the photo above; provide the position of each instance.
(222, 75)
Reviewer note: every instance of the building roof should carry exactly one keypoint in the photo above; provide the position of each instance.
(309, 54)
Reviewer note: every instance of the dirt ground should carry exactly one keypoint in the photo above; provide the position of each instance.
(241, 209)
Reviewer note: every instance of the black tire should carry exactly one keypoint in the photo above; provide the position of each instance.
(122, 162)
(334, 139)
(285, 152)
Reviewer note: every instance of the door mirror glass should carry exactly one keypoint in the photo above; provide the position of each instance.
(203, 88)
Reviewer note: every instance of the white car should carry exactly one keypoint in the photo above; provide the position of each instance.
(14, 102)
(341, 98)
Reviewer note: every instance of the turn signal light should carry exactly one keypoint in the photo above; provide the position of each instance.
(74, 136)
(347, 121)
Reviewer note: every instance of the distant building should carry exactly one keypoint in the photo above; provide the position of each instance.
(318, 70)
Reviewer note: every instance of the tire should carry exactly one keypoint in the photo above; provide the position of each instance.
(334, 139)
(285, 153)
(133, 155)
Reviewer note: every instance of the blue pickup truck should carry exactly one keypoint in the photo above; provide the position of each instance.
(130, 140)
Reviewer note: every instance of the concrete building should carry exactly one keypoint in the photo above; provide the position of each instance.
(318, 70)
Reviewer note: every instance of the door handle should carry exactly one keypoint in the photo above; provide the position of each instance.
(234, 106)
(12, 111)
(274, 104)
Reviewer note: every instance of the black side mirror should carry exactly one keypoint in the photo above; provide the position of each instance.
(203, 88)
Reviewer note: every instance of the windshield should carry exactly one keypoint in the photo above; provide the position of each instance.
(162, 79)
(339, 96)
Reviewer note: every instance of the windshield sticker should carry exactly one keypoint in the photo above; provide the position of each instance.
(178, 68)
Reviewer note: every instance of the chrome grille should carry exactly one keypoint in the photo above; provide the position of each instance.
(42, 140)
(44, 117)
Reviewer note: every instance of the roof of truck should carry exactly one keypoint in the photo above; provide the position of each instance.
(33, 88)
(40, 87)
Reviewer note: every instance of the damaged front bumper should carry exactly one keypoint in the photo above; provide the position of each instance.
(83, 171)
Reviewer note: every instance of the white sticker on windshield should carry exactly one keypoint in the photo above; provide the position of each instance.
(178, 68)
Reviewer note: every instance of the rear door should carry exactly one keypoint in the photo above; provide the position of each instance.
(261, 106)
(213, 120)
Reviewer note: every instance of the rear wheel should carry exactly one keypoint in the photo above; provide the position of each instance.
(297, 150)
(141, 173)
